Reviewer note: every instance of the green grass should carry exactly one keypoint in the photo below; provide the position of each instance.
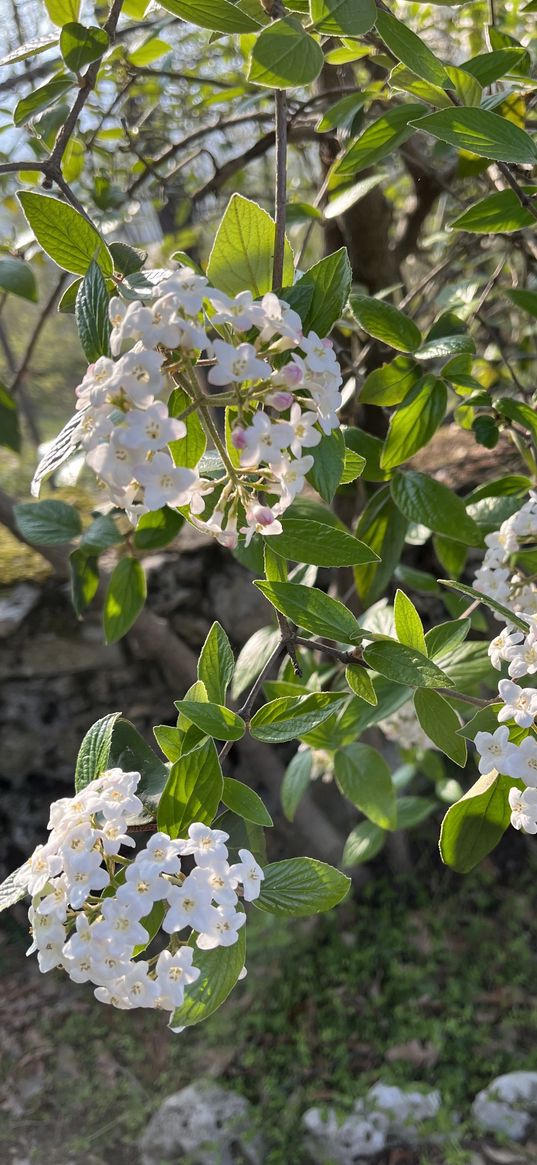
(320, 1017)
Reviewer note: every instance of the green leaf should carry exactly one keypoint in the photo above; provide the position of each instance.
(10, 436)
(342, 113)
(501, 211)
(80, 45)
(243, 250)
(451, 555)
(149, 52)
(507, 614)
(445, 346)
(186, 451)
(100, 535)
(320, 544)
(385, 322)
(46, 523)
(473, 826)
(405, 665)
(217, 15)
(129, 751)
(297, 779)
(91, 314)
(245, 802)
(380, 138)
(31, 48)
(411, 811)
(489, 67)
(275, 567)
(328, 464)
(289, 717)
(193, 791)
(310, 608)
(408, 625)
(485, 720)
(353, 467)
(213, 719)
(442, 639)
(41, 98)
(157, 529)
(415, 422)
(521, 297)
(17, 278)
(124, 599)
(364, 777)
(285, 56)
(94, 752)
(220, 969)
(390, 384)
(169, 740)
(352, 194)
(253, 657)
(422, 499)
(483, 133)
(216, 664)
(298, 887)
(343, 17)
(410, 49)
(330, 281)
(360, 683)
(467, 88)
(381, 523)
(12, 889)
(64, 234)
(84, 571)
(520, 412)
(440, 723)
(363, 844)
(62, 11)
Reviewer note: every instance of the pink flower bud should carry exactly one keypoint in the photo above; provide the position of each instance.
(262, 515)
(280, 400)
(291, 373)
(327, 343)
(238, 438)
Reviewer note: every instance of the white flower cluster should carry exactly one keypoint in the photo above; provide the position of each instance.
(404, 728)
(96, 937)
(284, 386)
(518, 649)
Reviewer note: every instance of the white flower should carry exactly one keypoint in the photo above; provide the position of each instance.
(305, 433)
(151, 429)
(281, 319)
(264, 440)
(234, 365)
(152, 325)
(185, 288)
(319, 354)
(223, 930)
(190, 905)
(50, 954)
(521, 762)
(113, 462)
(85, 875)
(162, 853)
(118, 927)
(220, 880)
(501, 645)
(240, 312)
(261, 520)
(523, 658)
(207, 845)
(520, 703)
(292, 475)
(117, 794)
(250, 873)
(175, 972)
(54, 904)
(45, 928)
(494, 583)
(494, 749)
(142, 887)
(165, 484)
(40, 868)
(112, 837)
(523, 809)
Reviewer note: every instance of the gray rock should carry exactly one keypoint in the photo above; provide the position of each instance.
(202, 1124)
(15, 606)
(404, 1108)
(508, 1105)
(360, 1137)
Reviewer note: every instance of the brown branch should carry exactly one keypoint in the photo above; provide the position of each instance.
(46, 311)
(280, 187)
(258, 150)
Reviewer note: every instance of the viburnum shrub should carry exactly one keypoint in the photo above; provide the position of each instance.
(229, 397)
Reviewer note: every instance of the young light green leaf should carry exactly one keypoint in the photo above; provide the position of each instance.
(408, 625)
(422, 499)
(285, 56)
(91, 314)
(288, 717)
(298, 887)
(124, 599)
(408, 47)
(213, 719)
(405, 665)
(343, 17)
(445, 637)
(242, 255)
(360, 683)
(343, 201)
(363, 844)
(245, 802)
(440, 723)
(320, 544)
(481, 132)
(41, 98)
(157, 528)
(62, 11)
(217, 15)
(501, 211)
(94, 752)
(296, 780)
(385, 322)
(310, 608)
(380, 138)
(404, 79)
(474, 825)
(64, 234)
(415, 421)
(193, 791)
(17, 278)
(391, 383)
(216, 664)
(46, 523)
(364, 777)
(169, 740)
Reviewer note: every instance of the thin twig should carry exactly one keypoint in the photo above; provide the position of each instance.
(280, 190)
